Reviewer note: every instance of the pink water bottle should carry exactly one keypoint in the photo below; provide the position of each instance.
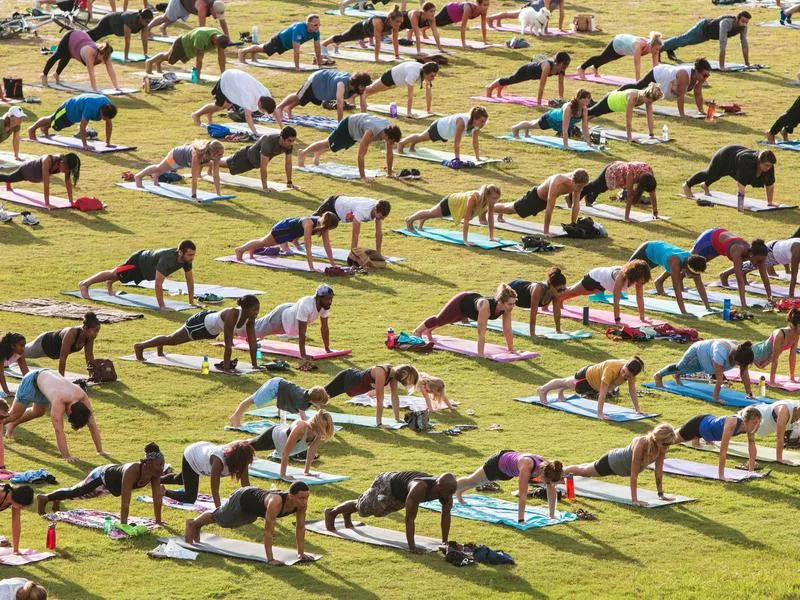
(570, 487)
(51, 536)
(391, 339)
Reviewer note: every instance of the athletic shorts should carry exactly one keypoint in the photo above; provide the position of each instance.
(378, 501)
(274, 46)
(603, 467)
(28, 391)
(530, 204)
(690, 430)
(59, 119)
(306, 94)
(66, 5)
(286, 232)
(230, 515)
(176, 11)
(340, 138)
(177, 53)
(387, 79)
(444, 206)
(590, 285)
(267, 392)
(196, 326)
(219, 97)
(433, 132)
(582, 386)
(173, 164)
(492, 468)
(129, 273)
(240, 162)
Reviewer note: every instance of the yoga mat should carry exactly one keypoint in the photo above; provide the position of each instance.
(516, 29)
(34, 199)
(164, 39)
(130, 300)
(615, 80)
(438, 156)
(375, 536)
(315, 121)
(470, 348)
(180, 76)
(704, 391)
(502, 512)
(239, 549)
(782, 382)
(715, 297)
(523, 329)
(450, 236)
(7, 160)
(406, 402)
(85, 88)
(519, 226)
(203, 503)
(615, 213)
(290, 349)
(14, 371)
(340, 171)
(178, 288)
(755, 287)
(511, 99)
(266, 469)
(283, 65)
(409, 50)
(252, 427)
(550, 142)
(622, 136)
(194, 363)
(274, 262)
(245, 128)
(778, 24)
(456, 43)
(597, 489)
(96, 519)
(603, 317)
(584, 407)
(175, 192)
(271, 412)
(790, 145)
(688, 468)
(739, 449)
(730, 200)
(26, 556)
(672, 111)
(664, 305)
(65, 141)
(730, 66)
(250, 183)
(369, 57)
(357, 13)
(44, 307)
(133, 57)
(384, 109)
(339, 254)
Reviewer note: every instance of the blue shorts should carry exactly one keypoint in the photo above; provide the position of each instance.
(704, 246)
(267, 392)
(28, 392)
(287, 230)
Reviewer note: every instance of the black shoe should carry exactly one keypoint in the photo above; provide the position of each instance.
(672, 56)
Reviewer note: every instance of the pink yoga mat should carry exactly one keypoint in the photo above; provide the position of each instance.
(552, 32)
(25, 557)
(456, 43)
(276, 262)
(470, 348)
(603, 317)
(782, 382)
(286, 349)
(508, 99)
(607, 79)
(34, 199)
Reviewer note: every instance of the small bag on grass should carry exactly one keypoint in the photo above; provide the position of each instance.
(12, 88)
(88, 204)
(101, 370)
(583, 22)
(366, 259)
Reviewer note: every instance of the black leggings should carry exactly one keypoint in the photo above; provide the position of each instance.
(592, 190)
(788, 120)
(641, 84)
(102, 29)
(60, 56)
(691, 429)
(14, 177)
(79, 490)
(608, 55)
(264, 441)
(342, 381)
(722, 164)
(598, 109)
(442, 18)
(190, 481)
(527, 72)
(359, 31)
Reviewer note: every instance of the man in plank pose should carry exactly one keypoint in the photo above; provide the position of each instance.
(192, 45)
(258, 156)
(179, 10)
(356, 210)
(289, 39)
(78, 109)
(720, 29)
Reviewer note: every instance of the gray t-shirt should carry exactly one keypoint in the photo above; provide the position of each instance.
(267, 145)
(358, 125)
(118, 20)
(165, 261)
(291, 397)
(182, 155)
(324, 82)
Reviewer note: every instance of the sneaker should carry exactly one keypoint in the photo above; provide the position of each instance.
(29, 219)
(5, 217)
(672, 56)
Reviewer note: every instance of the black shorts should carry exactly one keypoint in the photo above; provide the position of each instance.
(691, 429)
(306, 95)
(340, 138)
(59, 119)
(129, 273)
(433, 132)
(196, 326)
(328, 206)
(219, 97)
(582, 386)
(492, 467)
(590, 285)
(530, 204)
(603, 467)
(387, 80)
(444, 205)
(239, 162)
(274, 46)
(177, 53)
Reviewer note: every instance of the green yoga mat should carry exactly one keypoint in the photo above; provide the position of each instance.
(450, 236)
(133, 57)
(496, 510)
(271, 412)
(763, 453)
(523, 330)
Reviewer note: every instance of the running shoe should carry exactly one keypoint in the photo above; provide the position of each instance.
(5, 217)
(29, 219)
(782, 17)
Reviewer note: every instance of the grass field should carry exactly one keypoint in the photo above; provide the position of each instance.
(737, 541)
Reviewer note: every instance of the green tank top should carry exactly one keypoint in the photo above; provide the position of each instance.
(618, 101)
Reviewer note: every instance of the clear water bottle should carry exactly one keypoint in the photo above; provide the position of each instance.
(204, 366)
(665, 133)
(254, 34)
(762, 386)
(195, 76)
(393, 110)
(108, 524)
(258, 351)
(602, 138)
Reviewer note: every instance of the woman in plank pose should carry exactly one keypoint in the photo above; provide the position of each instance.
(194, 156)
(39, 170)
(632, 460)
(290, 230)
(452, 127)
(59, 344)
(598, 380)
(538, 294)
(462, 206)
(782, 339)
(775, 419)
(562, 119)
(408, 73)
(625, 44)
(636, 178)
(418, 19)
(207, 325)
(289, 397)
(471, 305)
(535, 71)
(625, 101)
(80, 46)
(460, 13)
(374, 28)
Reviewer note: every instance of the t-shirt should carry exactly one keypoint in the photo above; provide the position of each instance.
(199, 455)
(198, 38)
(324, 83)
(296, 33)
(267, 145)
(165, 261)
(10, 586)
(617, 173)
(117, 21)
(607, 372)
(305, 310)
(4, 133)
(352, 208)
(358, 125)
(291, 397)
(85, 106)
(446, 126)
(713, 352)
(407, 73)
(242, 89)
(782, 250)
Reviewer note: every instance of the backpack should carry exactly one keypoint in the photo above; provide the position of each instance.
(218, 131)
(366, 258)
(536, 243)
(88, 204)
(417, 420)
(584, 228)
(583, 22)
(12, 88)
(101, 370)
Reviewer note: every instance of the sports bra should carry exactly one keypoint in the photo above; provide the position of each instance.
(469, 306)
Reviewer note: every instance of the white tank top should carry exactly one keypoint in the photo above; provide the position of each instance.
(446, 126)
(605, 277)
(215, 325)
(768, 424)
(280, 435)
(782, 250)
(666, 75)
(199, 455)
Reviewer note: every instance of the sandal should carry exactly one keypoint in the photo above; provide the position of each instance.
(307, 365)
(494, 427)
(489, 486)
(585, 515)
(221, 364)
(278, 365)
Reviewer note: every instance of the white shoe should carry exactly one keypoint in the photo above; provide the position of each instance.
(29, 219)
(5, 217)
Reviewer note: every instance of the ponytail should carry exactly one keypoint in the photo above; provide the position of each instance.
(504, 293)
(73, 163)
(326, 222)
(476, 113)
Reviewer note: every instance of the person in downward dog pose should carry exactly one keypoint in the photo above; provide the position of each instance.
(535, 71)
(124, 24)
(462, 206)
(460, 13)
(616, 280)
(78, 45)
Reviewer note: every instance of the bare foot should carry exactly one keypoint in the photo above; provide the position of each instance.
(542, 396)
(409, 224)
(316, 158)
(330, 518)
(196, 119)
(137, 180)
(190, 531)
(137, 350)
(658, 380)
(84, 289)
(687, 191)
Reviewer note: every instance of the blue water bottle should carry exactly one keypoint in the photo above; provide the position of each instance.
(726, 309)
(195, 78)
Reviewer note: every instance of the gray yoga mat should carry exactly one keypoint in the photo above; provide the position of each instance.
(239, 549)
(376, 536)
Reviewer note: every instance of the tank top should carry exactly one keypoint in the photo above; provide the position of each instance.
(53, 340)
(32, 170)
(623, 43)
(406, 24)
(253, 501)
(215, 325)
(768, 412)
(508, 462)
(112, 479)
(621, 459)
(782, 250)
(399, 482)
(457, 203)
(280, 435)
(605, 277)
(665, 76)
(4, 132)
(469, 306)
(523, 290)
(182, 155)
(366, 381)
(711, 427)
(455, 11)
(78, 40)
(446, 126)
(658, 253)
(618, 101)
(617, 173)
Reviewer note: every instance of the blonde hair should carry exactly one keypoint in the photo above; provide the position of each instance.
(434, 386)
(318, 395)
(751, 413)
(504, 293)
(322, 424)
(662, 434)
(396, 13)
(652, 92)
(104, 51)
(655, 39)
(405, 374)
(489, 188)
(208, 148)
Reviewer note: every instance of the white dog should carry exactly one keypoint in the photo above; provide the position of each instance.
(535, 21)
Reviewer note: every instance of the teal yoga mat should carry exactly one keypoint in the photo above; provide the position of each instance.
(583, 407)
(664, 305)
(549, 141)
(271, 412)
(266, 469)
(790, 145)
(503, 512)
(450, 236)
(130, 300)
(133, 57)
(523, 330)
(704, 391)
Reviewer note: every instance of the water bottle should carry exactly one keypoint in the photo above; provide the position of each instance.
(712, 108)
(591, 24)
(602, 138)
(570, 487)
(585, 315)
(254, 34)
(51, 536)
(762, 386)
(726, 309)
(195, 77)
(665, 133)
(258, 351)
(108, 523)
(445, 163)
(393, 110)
(390, 338)
(204, 366)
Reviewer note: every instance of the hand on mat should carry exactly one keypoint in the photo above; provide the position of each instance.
(372, 179)
(166, 309)
(71, 459)
(416, 550)
(305, 557)
(666, 498)
(787, 461)
(104, 453)
(275, 562)
(307, 474)
(640, 503)
(287, 478)
(292, 186)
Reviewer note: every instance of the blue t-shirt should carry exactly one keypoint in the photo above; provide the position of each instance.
(296, 33)
(711, 428)
(658, 253)
(323, 84)
(85, 106)
(714, 352)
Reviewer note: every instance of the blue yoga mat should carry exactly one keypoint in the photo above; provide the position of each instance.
(523, 330)
(583, 407)
(549, 141)
(266, 469)
(495, 510)
(451, 236)
(271, 412)
(790, 145)
(252, 427)
(655, 304)
(704, 391)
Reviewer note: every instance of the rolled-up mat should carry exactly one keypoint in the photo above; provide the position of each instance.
(782, 382)
(175, 192)
(597, 489)
(615, 80)
(470, 348)
(732, 201)
(496, 510)
(271, 412)
(437, 156)
(194, 363)
(33, 199)
(689, 468)
(615, 213)
(705, 391)
(338, 171)
(275, 262)
(130, 300)
(291, 349)
(523, 330)
(239, 549)
(451, 236)
(549, 141)
(266, 469)
(375, 536)
(651, 303)
(584, 407)
(739, 449)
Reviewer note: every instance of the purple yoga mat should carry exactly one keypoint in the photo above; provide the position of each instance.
(606, 79)
(603, 317)
(290, 349)
(470, 348)
(34, 199)
(509, 99)
(689, 468)
(456, 43)
(782, 382)
(275, 262)
(515, 29)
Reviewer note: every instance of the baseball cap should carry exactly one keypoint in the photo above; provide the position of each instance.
(15, 111)
(324, 290)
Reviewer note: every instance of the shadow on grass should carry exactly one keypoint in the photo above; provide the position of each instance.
(590, 546)
(119, 396)
(59, 587)
(683, 515)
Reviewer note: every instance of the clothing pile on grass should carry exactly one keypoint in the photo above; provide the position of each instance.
(626, 333)
(464, 555)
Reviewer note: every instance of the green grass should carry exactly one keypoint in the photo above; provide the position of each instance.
(717, 546)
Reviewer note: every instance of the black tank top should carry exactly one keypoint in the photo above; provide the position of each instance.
(254, 502)
(469, 306)
(399, 482)
(406, 24)
(52, 341)
(523, 290)
(112, 479)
